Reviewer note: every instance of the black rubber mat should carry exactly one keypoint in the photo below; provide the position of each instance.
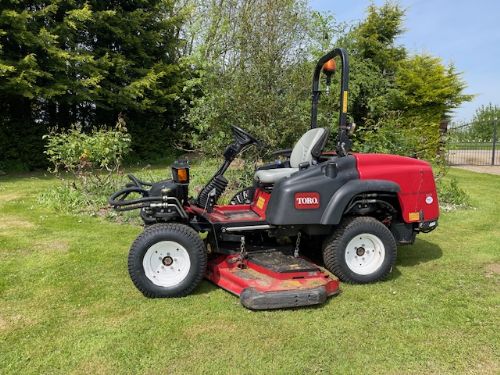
(276, 261)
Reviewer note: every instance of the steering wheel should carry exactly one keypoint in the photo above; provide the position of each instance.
(244, 138)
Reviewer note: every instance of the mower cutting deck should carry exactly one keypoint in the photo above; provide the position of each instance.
(271, 279)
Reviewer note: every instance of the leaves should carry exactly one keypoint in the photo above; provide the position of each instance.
(423, 81)
(187, 69)
(85, 153)
(86, 61)
(255, 71)
(78, 17)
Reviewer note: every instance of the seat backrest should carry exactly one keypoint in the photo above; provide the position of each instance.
(309, 146)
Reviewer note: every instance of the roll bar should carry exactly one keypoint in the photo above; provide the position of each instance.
(343, 141)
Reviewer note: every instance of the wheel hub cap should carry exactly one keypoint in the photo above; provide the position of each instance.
(365, 254)
(166, 263)
(360, 251)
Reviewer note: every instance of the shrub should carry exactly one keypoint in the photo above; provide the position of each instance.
(93, 162)
(79, 153)
(400, 135)
(451, 196)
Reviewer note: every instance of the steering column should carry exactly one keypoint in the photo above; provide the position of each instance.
(215, 187)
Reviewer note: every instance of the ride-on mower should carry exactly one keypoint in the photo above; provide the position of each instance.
(352, 209)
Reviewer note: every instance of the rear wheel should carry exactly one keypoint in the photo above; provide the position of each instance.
(361, 250)
(167, 260)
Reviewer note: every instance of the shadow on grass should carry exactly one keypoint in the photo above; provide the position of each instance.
(22, 176)
(204, 288)
(420, 252)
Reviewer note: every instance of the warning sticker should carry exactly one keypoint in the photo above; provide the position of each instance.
(344, 104)
(260, 202)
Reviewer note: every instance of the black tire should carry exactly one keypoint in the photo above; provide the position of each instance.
(335, 250)
(192, 248)
(244, 196)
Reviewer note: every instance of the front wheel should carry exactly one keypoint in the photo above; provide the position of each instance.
(167, 260)
(361, 250)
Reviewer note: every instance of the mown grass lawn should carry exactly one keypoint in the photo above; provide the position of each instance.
(67, 304)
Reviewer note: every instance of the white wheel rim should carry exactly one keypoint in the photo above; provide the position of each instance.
(166, 263)
(365, 254)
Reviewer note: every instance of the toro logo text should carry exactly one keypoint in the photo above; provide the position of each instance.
(306, 200)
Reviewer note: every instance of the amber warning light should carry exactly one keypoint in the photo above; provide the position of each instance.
(330, 66)
(180, 171)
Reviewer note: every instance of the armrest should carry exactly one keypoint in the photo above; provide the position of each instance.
(274, 165)
(286, 152)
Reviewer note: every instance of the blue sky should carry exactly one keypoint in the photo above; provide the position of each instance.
(466, 33)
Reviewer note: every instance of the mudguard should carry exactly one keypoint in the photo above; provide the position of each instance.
(334, 211)
(289, 205)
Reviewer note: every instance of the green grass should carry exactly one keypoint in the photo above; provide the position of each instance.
(487, 146)
(67, 304)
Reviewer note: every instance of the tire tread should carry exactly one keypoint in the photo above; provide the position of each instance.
(332, 248)
(161, 228)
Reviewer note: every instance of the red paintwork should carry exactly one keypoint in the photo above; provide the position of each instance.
(413, 176)
(226, 274)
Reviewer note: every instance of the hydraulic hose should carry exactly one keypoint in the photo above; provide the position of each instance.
(118, 199)
(138, 182)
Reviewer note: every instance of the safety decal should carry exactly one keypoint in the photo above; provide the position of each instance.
(344, 105)
(260, 202)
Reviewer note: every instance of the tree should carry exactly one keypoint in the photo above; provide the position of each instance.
(256, 57)
(70, 61)
(192, 67)
(410, 94)
(424, 93)
(33, 72)
(483, 122)
(374, 58)
(427, 88)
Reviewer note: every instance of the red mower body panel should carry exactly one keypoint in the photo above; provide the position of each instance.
(417, 197)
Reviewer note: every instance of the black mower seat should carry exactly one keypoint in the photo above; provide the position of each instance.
(307, 149)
